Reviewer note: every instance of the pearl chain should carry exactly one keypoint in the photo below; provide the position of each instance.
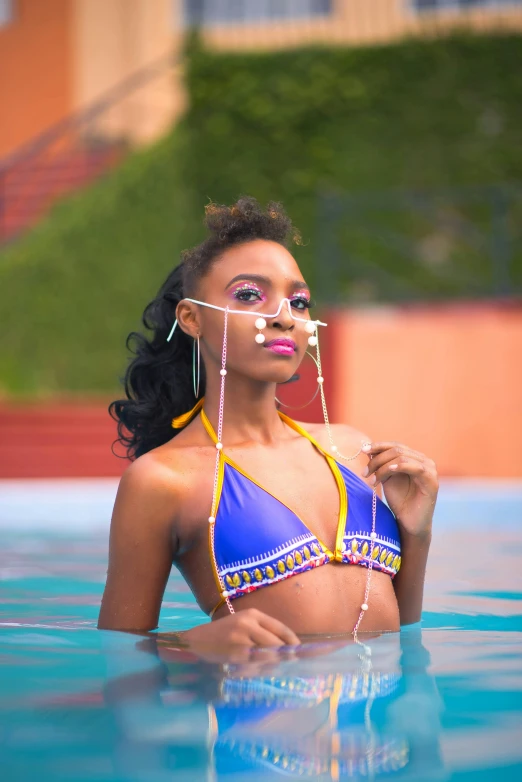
(219, 448)
(313, 340)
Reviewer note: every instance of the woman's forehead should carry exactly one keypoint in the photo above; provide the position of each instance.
(265, 258)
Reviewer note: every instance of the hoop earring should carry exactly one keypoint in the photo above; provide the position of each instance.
(196, 374)
(300, 407)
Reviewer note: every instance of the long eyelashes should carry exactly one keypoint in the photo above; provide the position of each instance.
(246, 291)
(250, 294)
(303, 301)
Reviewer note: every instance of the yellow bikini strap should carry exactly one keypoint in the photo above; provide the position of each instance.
(208, 426)
(213, 611)
(293, 425)
(182, 420)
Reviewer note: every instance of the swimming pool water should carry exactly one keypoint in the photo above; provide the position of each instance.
(438, 702)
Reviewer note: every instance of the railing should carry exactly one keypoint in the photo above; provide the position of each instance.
(68, 155)
(401, 245)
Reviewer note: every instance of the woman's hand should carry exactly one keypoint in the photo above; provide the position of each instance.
(410, 484)
(248, 628)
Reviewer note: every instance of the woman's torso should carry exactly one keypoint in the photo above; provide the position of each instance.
(321, 600)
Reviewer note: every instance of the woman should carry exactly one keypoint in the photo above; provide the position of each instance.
(236, 494)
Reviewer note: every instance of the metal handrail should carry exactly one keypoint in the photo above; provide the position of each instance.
(83, 116)
(26, 161)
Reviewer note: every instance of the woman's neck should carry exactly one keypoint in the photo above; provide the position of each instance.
(250, 412)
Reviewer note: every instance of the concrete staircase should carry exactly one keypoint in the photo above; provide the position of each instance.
(28, 190)
(67, 156)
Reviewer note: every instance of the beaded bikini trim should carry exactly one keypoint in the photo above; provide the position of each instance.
(302, 553)
(246, 576)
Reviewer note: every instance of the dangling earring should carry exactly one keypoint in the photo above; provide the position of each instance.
(260, 324)
(310, 328)
(196, 372)
(292, 407)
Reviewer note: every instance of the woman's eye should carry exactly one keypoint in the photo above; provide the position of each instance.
(248, 295)
(300, 303)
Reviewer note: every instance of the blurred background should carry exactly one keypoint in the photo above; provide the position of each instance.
(390, 130)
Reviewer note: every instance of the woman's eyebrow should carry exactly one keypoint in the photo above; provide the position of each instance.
(252, 277)
(260, 278)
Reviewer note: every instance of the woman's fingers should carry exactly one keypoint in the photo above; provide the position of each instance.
(395, 453)
(407, 466)
(375, 449)
(264, 638)
(287, 636)
(254, 628)
(378, 447)
(246, 629)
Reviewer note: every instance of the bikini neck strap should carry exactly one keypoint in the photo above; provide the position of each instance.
(285, 418)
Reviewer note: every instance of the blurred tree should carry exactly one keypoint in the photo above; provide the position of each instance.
(282, 125)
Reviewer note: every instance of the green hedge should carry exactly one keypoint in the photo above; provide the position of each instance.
(72, 290)
(445, 113)
(281, 126)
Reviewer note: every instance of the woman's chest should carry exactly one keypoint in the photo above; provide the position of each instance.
(281, 485)
(306, 486)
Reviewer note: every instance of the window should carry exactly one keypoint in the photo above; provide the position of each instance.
(6, 12)
(233, 11)
(461, 5)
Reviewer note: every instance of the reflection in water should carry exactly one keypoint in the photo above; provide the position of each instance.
(327, 711)
(77, 703)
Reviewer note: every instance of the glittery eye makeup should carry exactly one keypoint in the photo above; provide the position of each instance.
(304, 294)
(301, 299)
(248, 292)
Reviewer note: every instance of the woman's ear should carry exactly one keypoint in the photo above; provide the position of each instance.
(188, 318)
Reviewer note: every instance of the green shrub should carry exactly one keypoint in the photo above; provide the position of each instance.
(284, 126)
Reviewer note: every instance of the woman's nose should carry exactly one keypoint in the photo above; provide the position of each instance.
(284, 319)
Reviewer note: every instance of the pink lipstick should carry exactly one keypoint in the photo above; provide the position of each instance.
(284, 347)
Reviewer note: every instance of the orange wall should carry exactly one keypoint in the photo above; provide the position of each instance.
(35, 70)
(60, 55)
(445, 380)
(113, 39)
(58, 440)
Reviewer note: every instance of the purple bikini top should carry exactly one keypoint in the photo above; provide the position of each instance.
(258, 540)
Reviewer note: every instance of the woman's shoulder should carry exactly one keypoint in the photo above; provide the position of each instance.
(149, 480)
(163, 471)
(348, 441)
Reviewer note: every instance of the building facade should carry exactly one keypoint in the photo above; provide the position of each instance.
(59, 56)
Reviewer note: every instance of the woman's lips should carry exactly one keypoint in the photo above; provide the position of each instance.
(285, 347)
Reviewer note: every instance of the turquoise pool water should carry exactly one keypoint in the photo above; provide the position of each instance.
(437, 702)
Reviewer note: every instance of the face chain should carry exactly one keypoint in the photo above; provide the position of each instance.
(219, 448)
(333, 448)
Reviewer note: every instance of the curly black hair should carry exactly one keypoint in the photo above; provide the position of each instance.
(158, 379)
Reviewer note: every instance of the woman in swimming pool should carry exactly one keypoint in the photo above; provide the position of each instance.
(239, 496)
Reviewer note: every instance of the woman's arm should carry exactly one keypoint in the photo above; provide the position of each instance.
(142, 546)
(410, 483)
(141, 549)
(409, 581)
